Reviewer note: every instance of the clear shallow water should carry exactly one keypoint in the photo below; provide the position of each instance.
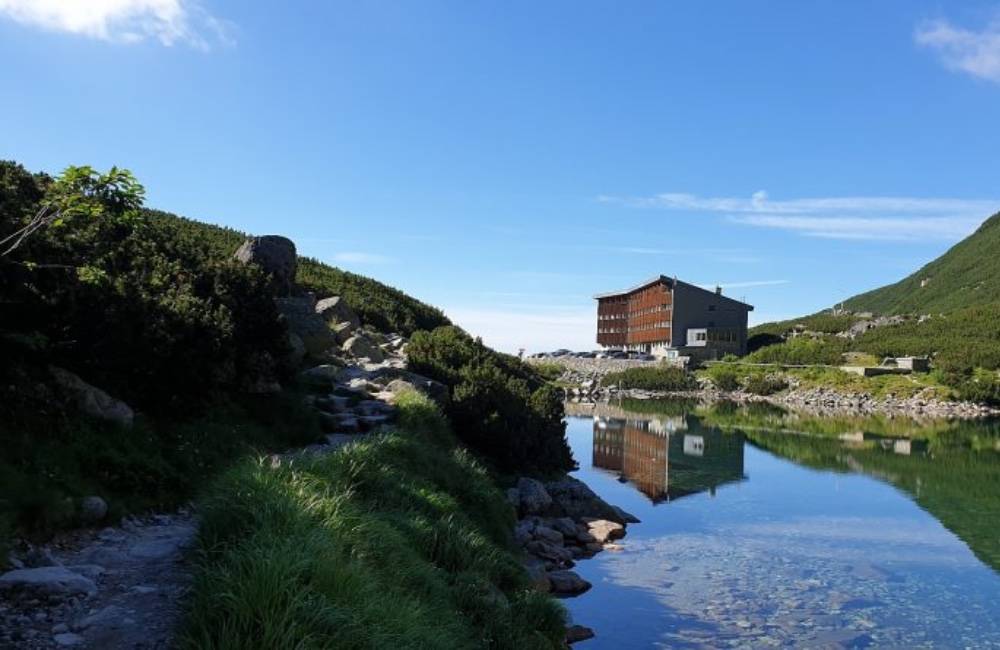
(762, 529)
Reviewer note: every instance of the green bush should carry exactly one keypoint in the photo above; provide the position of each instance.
(500, 407)
(982, 386)
(399, 541)
(764, 384)
(802, 351)
(651, 378)
(550, 370)
(724, 377)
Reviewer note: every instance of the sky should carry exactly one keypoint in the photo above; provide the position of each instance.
(507, 161)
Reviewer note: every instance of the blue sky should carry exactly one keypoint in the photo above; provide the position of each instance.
(505, 161)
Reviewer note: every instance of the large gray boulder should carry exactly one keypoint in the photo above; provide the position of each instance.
(303, 322)
(275, 255)
(567, 583)
(360, 346)
(92, 400)
(572, 498)
(535, 499)
(334, 310)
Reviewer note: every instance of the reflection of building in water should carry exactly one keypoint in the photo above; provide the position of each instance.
(901, 446)
(664, 459)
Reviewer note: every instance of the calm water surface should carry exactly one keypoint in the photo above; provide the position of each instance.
(762, 529)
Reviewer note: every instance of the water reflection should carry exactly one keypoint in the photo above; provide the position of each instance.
(664, 458)
(793, 530)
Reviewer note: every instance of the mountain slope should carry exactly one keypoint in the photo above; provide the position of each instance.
(965, 276)
(385, 308)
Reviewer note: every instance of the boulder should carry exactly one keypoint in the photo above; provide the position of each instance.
(92, 400)
(567, 583)
(535, 498)
(547, 534)
(68, 640)
(603, 530)
(572, 498)
(564, 525)
(302, 321)
(577, 633)
(523, 531)
(549, 551)
(539, 578)
(93, 509)
(296, 349)
(50, 580)
(335, 311)
(275, 255)
(429, 387)
(322, 377)
(360, 346)
(342, 332)
(626, 517)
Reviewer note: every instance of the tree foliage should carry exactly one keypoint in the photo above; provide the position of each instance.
(500, 406)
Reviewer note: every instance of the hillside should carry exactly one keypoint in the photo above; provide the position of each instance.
(965, 276)
(383, 307)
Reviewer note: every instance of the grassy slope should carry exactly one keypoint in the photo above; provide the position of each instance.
(378, 305)
(967, 275)
(400, 541)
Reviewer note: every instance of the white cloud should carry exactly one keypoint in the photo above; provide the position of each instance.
(851, 217)
(965, 50)
(358, 257)
(124, 21)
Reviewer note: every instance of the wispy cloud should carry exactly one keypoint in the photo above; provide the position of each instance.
(358, 257)
(125, 21)
(852, 217)
(974, 52)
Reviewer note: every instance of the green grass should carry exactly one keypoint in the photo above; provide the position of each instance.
(51, 460)
(650, 378)
(400, 541)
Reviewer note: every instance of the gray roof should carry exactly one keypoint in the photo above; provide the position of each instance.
(670, 282)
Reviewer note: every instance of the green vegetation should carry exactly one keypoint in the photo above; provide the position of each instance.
(650, 378)
(51, 457)
(378, 305)
(500, 406)
(724, 376)
(151, 308)
(400, 541)
(960, 291)
(549, 370)
(965, 276)
(802, 351)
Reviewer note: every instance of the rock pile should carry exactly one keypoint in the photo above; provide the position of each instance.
(560, 522)
(110, 588)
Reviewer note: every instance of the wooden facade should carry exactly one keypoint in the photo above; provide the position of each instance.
(640, 316)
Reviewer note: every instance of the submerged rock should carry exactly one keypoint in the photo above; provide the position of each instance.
(577, 633)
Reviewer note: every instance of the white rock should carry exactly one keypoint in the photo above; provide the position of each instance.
(52, 580)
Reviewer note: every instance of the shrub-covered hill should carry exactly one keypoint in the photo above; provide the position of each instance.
(383, 307)
(965, 276)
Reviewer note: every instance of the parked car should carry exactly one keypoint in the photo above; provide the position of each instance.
(644, 356)
(585, 355)
(617, 354)
(561, 352)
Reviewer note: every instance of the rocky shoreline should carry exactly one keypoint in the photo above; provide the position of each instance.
(560, 522)
(583, 376)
